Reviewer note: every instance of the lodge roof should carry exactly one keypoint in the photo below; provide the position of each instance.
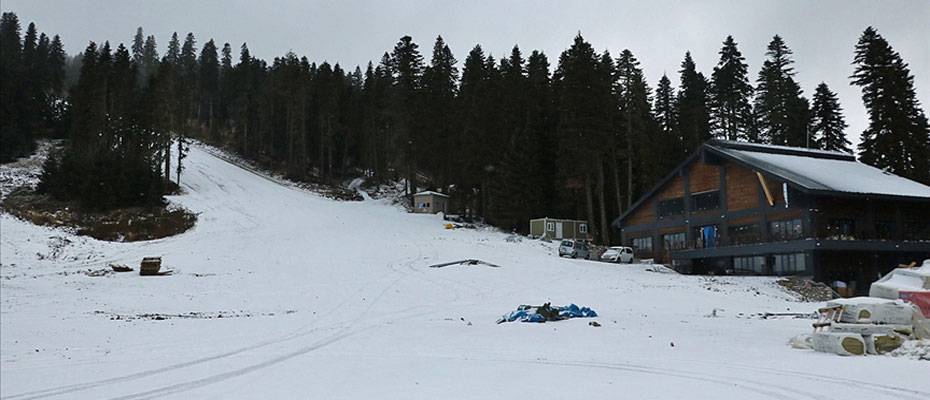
(816, 171)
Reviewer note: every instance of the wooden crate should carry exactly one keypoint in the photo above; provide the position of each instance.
(150, 266)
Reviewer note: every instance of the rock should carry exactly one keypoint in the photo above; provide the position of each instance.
(120, 267)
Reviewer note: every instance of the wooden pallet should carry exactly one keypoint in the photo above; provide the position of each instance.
(828, 316)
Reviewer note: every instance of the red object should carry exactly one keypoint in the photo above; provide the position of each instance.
(921, 299)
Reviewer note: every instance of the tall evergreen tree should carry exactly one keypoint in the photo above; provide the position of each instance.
(782, 111)
(693, 107)
(15, 140)
(407, 66)
(138, 46)
(828, 127)
(440, 80)
(209, 82)
(666, 115)
(642, 140)
(731, 112)
(581, 121)
(173, 56)
(149, 63)
(898, 136)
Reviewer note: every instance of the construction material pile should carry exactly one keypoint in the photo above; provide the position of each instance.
(864, 325)
(546, 312)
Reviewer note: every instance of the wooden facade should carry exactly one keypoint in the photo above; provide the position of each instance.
(720, 214)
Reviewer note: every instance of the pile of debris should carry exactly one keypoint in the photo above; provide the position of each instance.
(807, 290)
(547, 312)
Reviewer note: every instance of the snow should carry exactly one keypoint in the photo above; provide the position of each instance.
(298, 296)
(430, 193)
(779, 147)
(841, 175)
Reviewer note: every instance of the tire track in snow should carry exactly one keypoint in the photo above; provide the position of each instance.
(298, 333)
(873, 387)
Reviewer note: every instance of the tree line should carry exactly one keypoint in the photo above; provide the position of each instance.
(510, 139)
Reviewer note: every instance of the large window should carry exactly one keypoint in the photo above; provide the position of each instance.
(786, 230)
(674, 241)
(643, 244)
(583, 228)
(841, 229)
(916, 230)
(789, 264)
(754, 264)
(744, 234)
(705, 201)
(669, 207)
(885, 229)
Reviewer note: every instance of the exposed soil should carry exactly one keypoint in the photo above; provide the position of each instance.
(120, 225)
(807, 290)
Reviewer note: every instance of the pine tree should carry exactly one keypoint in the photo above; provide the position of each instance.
(407, 65)
(173, 56)
(15, 140)
(782, 111)
(581, 120)
(149, 63)
(440, 78)
(56, 66)
(138, 46)
(898, 136)
(828, 127)
(639, 126)
(731, 113)
(209, 82)
(692, 106)
(122, 84)
(666, 115)
(474, 131)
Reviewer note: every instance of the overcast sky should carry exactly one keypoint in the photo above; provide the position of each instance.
(821, 33)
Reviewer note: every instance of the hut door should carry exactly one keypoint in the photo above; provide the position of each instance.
(558, 230)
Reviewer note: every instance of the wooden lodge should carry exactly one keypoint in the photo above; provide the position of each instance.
(741, 208)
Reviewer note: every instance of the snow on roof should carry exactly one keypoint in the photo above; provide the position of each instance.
(430, 193)
(772, 147)
(822, 170)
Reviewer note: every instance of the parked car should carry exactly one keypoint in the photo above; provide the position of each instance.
(574, 249)
(618, 254)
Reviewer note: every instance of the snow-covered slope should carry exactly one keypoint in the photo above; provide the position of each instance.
(296, 296)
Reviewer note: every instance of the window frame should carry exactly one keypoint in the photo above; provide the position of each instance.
(705, 196)
(663, 208)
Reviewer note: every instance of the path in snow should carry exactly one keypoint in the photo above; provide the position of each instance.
(334, 300)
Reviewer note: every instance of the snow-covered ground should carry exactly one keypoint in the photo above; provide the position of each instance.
(297, 296)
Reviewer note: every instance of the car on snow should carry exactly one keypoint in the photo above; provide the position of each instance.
(618, 254)
(574, 249)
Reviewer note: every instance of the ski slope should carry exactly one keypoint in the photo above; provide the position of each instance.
(298, 296)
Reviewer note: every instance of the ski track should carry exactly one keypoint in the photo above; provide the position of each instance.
(232, 203)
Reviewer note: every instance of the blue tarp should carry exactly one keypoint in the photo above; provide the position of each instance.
(545, 313)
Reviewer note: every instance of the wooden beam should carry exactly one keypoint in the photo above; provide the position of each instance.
(765, 188)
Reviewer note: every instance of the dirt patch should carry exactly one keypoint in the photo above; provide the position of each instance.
(190, 315)
(807, 290)
(119, 225)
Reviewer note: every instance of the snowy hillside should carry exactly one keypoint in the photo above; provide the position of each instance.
(281, 293)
